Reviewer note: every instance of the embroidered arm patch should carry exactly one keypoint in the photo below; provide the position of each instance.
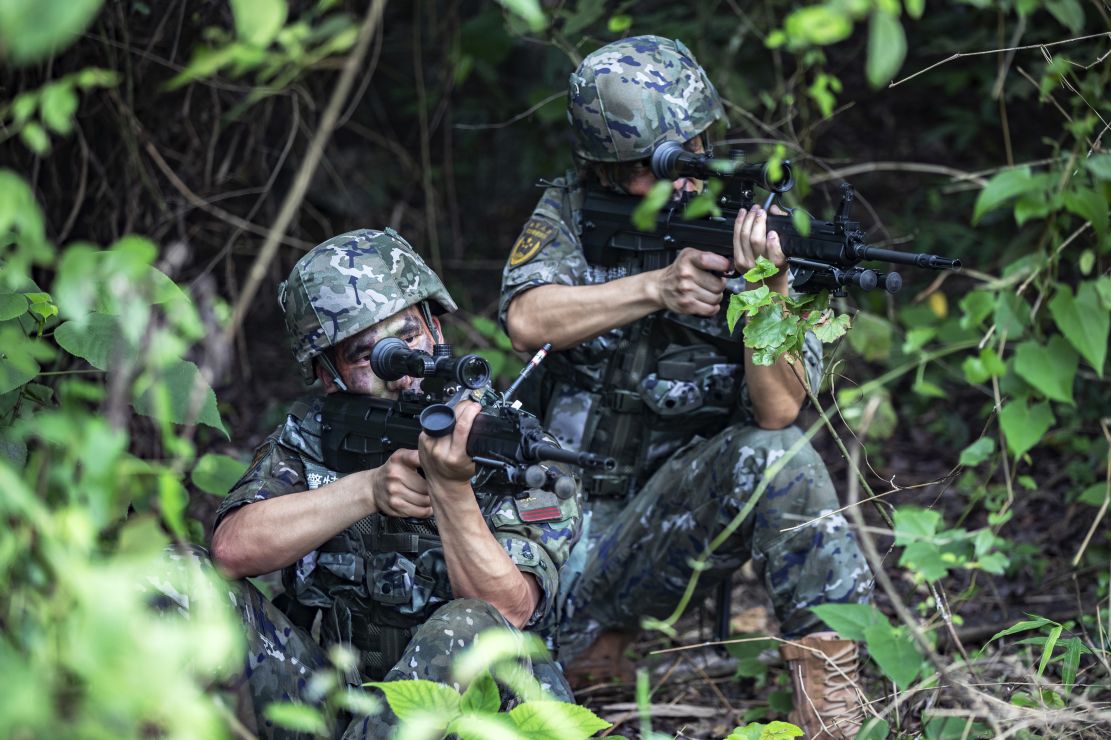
(540, 506)
(537, 234)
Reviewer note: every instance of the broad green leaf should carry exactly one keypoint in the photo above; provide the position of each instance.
(34, 29)
(913, 524)
(216, 474)
(770, 327)
(818, 25)
(1103, 290)
(1094, 494)
(1003, 187)
(705, 203)
(178, 381)
(644, 215)
(995, 563)
(619, 23)
(1099, 165)
(296, 717)
(493, 647)
(99, 341)
(12, 305)
(978, 451)
(1090, 206)
(1051, 369)
(19, 356)
(762, 269)
(918, 338)
(887, 47)
(411, 698)
(1024, 626)
(1012, 315)
(36, 139)
(928, 561)
(983, 367)
(915, 8)
(894, 652)
(1069, 13)
(483, 726)
(531, 13)
(1083, 321)
(874, 728)
(556, 720)
(871, 336)
(257, 22)
(833, 329)
(481, 696)
(976, 306)
(771, 731)
(1024, 426)
(849, 620)
(58, 105)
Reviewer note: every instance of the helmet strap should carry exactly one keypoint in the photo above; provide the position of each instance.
(330, 368)
(426, 314)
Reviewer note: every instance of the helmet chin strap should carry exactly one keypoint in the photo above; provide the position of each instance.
(330, 368)
(426, 314)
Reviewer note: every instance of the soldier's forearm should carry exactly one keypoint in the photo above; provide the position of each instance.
(777, 391)
(567, 315)
(478, 566)
(268, 535)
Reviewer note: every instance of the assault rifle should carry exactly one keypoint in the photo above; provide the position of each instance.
(825, 259)
(360, 432)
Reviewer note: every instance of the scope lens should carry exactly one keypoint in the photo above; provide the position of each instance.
(474, 372)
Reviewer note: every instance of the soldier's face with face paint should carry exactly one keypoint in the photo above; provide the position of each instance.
(352, 355)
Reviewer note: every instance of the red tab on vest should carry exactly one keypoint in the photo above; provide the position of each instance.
(547, 514)
(539, 506)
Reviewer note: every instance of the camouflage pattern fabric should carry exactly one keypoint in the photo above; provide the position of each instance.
(699, 458)
(637, 556)
(351, 282)
(633, 94)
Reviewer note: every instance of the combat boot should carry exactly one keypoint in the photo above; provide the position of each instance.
(603, 662)
(824, 673)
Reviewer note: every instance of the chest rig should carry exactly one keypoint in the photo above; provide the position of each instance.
(371, 584)
(641, 391)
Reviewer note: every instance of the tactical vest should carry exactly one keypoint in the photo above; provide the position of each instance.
(373, 583)
(641, 391)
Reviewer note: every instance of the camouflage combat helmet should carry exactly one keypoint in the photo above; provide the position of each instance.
(632, 94)
(351, 282)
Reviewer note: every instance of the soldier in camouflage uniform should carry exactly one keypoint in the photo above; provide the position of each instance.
(405, 563)
(650, 374)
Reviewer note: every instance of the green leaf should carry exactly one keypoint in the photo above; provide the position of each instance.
(871, 336)
(216, 474)
(849, 620)
(771, 731)
(1050, 369)
(764, 268)
(12, 305)
(644, 215)
(1003, 187)
(887, 47)
(1083, 322)
(800, 220)
(833, 329)
(1086, 262)
(481, 696)
(98, 340)
(1070, 662)
(172, 499)
(531, 13)
(481, 726)
(1012, 315)
(19, 356)
(915, 8)
(556, 719)
(296, 717)
(894, 652)
(620, 23)
(1099, 165)
(1024, 426)
(984, 367)
(35, 138)
(1103, 290)
(874, 728)
(978, 451)
(1047, 650)
(34, 29)
(58, 105)
(257, 22)
(913, 524)
(976, 306)
(178, 382)
(411, 698)
(1094, 494)
(817, 25)
(1090, 206)
(1069, 13)
(1024, 626)
(926, 560)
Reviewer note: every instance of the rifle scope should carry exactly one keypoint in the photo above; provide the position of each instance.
(670, 161)
(391, 359)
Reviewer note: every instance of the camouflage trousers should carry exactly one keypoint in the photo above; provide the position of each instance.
(281, 658)
(636, 559)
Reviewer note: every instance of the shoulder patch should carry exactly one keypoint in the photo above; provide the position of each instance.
(540, 506)
(537, 233)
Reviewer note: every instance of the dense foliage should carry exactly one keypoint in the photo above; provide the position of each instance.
(162, 165)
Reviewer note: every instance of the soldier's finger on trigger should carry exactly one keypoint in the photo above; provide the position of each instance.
(741, 248)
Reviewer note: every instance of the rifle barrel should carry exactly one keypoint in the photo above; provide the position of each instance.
(916, 259)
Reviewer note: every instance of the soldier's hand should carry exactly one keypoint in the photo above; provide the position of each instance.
(398, 487)
(690, 286)
(445, 459)
(751, 240)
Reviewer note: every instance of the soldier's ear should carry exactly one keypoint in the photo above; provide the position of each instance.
(323, 376)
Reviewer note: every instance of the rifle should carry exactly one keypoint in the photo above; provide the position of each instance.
(825, 259)
(360, 432)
